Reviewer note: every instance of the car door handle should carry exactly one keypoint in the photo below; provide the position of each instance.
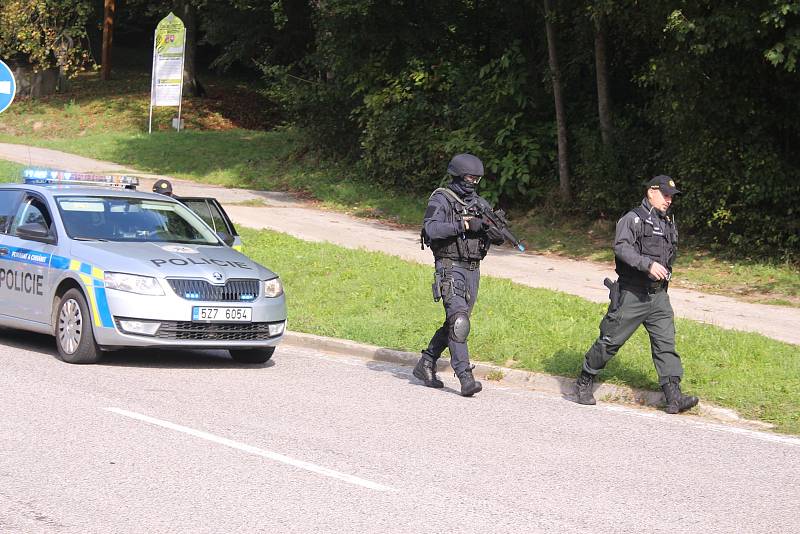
(3, 251)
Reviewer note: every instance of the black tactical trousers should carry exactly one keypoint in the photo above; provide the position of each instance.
(654, 311)
(459, 292)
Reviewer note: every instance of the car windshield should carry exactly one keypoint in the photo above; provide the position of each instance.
(98, 218)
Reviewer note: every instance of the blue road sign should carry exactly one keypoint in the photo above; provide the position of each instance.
(8, 87)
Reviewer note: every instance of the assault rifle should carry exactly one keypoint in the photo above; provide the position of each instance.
(493, 219)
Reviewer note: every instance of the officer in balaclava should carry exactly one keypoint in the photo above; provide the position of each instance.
(459, 241)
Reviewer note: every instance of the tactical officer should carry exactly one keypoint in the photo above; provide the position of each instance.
(459, 242)
(164, 187)
(644, 249)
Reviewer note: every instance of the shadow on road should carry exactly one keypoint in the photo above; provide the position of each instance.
(568, 363)
(176, 359)
(404, 373)
(153, 358)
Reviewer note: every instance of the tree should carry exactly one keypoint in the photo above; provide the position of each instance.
(46, 33)
(110, 8)
(186, 10)
(601, 74)
(561, 117)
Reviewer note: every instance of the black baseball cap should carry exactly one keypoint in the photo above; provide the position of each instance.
(162, 186)
(663, 183)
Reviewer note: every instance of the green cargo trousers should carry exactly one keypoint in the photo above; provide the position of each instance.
(654, 311)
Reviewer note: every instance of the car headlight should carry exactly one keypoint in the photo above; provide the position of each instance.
(273, 288)
(143, 285)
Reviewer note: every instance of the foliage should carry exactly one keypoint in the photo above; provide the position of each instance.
(46, 33)
(703, 91)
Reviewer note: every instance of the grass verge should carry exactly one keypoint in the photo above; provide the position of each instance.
(379, 299)
(108, 121)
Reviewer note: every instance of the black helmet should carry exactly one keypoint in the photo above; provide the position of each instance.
(462, 164)
(163, 186)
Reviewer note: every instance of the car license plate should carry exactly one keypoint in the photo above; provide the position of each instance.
(221, 314)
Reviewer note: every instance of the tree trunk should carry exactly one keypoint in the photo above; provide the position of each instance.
(601, 68)
(109, 9)
(555, 73)
(187, 12)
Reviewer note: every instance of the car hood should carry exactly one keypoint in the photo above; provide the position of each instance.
(169, 260)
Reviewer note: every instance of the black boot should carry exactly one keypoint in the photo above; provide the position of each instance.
(677, 401)
(469, 386)
(584, 386)
(425, 370)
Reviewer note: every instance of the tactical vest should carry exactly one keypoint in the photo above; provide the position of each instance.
(464, 246)
(657, 239)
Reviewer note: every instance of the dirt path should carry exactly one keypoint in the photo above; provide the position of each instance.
(284, 213)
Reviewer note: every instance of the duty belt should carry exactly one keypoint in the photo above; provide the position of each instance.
(468, 265)
(648, 289)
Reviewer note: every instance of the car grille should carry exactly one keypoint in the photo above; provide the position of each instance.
(187, 330)
(232, 291)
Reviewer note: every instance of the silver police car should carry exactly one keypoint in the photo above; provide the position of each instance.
(108, 267)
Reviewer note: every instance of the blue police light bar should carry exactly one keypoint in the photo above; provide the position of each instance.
(53, 177)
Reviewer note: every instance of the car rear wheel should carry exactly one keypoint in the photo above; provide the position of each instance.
(252, 355)
(74, 335)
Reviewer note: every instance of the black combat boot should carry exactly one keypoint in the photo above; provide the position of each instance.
(677, 401)
(585, 382)
(469, 386)
(425, 370)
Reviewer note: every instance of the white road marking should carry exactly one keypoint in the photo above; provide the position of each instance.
(255, 450)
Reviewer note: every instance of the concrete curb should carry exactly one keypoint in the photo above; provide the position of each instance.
(558, 385)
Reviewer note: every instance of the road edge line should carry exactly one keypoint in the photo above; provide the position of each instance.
(531, 380)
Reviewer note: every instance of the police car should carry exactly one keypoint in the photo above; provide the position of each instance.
(103, 268)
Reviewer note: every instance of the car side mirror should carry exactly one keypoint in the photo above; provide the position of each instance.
(34, 230)
(226, 238)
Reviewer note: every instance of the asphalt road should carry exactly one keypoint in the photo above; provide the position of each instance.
(193, 442)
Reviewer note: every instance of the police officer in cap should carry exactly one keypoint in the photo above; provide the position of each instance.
(644, 249)
(459, 242)
(163, 186)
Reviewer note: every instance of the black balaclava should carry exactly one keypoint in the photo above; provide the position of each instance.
(460, 165)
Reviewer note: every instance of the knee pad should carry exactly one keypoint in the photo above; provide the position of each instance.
(459, 327)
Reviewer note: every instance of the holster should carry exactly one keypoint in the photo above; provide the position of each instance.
(437, 286)
(613, 292)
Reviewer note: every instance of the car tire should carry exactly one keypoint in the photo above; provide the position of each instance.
(252, 355)
(73, 330)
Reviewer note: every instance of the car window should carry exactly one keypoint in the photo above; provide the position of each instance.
(9, 198)
(132, 219)
(201, 208)
(33, 210)
(211, 213)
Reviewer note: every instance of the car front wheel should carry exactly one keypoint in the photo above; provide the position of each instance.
(252, 355)
(74, 335)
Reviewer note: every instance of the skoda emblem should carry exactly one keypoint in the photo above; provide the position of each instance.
(217, 276)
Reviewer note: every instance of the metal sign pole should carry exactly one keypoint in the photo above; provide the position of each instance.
(180, 94)
(152, 84)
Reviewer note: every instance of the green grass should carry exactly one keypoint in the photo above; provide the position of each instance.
(379, 299)
(10, 172)
(108, 121)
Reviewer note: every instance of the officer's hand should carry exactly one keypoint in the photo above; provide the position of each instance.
(658, 271)
(475, 224)
(466, 221)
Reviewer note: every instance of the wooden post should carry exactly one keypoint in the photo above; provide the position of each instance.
(108, 37)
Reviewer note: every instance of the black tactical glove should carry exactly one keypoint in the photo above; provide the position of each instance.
(475, 224)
